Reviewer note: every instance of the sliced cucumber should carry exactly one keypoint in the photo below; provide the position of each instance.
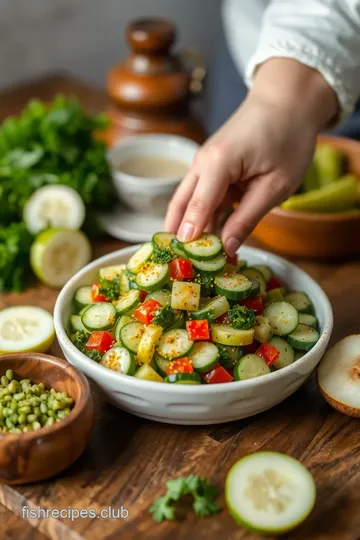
(183, 378)
(212, 266)
(111, 272)
(128, 302)
(174, 344)
(148, 342)
(250, 366)
(161, 364)
(185, 296)
(131, 334)
(232, 286)
(265, 270)
(178, 248)
(99, 316)
(76, 324)
(153, 277)
(303, 338)
(269, 493)
(163, 240)
(124, 319)
(163, 296)
(287, 354)
(208, 246)
(212, 309)
(262, 329)
(147, 373)
(131, 280)
(204, 356)
(283, 318)
(229, 355)
(255, 275)
(226, 335)
(179, 321)
(119, 359)
(308, 320)
(83, 297)
(140, 257)
(255, 289)
(300, 301)
(124, 284)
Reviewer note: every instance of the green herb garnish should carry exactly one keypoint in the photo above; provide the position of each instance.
(164, 317)
(80, 339)
(15, 243)
(162, 256)
(110, 288)
(241, 317)
(206, 281)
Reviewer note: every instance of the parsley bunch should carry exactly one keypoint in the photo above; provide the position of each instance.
(241, 317)
(202, 491)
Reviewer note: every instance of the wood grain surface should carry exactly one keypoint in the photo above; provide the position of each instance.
(129, 459)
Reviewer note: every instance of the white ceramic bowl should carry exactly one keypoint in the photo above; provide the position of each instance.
(203, 404)
(149, 195)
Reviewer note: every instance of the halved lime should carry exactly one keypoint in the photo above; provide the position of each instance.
(269, 492)
(57, 254)
(25, 329)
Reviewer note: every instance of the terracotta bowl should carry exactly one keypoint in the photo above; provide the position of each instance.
(316, 236)
(33, 456)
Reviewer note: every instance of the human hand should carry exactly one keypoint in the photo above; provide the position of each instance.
(258, 158)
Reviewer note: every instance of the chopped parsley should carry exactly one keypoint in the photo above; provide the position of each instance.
(164, 317)
(206, 282)
(110, 288)
(241, 317)
(162, 256)
(228, 355)
(80, 340)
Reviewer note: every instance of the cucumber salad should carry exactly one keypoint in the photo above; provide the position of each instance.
(184, 313)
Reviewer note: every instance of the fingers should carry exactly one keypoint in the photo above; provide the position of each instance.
(261, 196)
(207, 196)
(179, 202)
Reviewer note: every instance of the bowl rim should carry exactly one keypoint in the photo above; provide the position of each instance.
(76, 411)
(107, 375)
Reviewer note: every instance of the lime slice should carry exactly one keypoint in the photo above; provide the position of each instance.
(269, 493)
(25, 329)
(57, 254)
(54, 206)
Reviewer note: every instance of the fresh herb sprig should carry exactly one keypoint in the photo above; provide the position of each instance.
(162, 256)
(80, 340)
(202, 491)
(110, 288)
(241, 317)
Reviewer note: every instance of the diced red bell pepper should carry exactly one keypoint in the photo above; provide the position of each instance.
(250, 349)
(273, 283)
(181, 365)
(268, 352)
(217, 375)
(256, 303)
(223, 319)
(95, 295)
(100, 340)
(143, 295)
(146, 311)
(231, 259)
(181, 269)
(198, 330)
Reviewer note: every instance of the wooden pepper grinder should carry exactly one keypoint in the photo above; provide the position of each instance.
(151, 90)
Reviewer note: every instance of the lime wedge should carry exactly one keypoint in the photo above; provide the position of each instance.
(57, 254)
(269, 493)
(25, 329)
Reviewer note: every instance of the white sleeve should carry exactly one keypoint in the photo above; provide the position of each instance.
(322, 34)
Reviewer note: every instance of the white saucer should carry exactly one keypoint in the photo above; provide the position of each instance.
(125, 224)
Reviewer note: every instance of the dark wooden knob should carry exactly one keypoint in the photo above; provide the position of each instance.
(151, 36)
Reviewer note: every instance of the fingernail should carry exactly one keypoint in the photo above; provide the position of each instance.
(186, 232)
(232, 245)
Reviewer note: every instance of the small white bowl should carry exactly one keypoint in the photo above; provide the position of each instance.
(149, 195)
(203, 404)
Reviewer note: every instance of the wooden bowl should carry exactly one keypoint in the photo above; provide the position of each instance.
(33, 456)
(315, 236)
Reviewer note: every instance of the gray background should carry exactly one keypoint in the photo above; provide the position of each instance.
(86, 37)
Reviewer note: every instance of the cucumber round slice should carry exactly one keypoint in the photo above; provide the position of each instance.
(99, 316)
(204, 356)
(255, 289)
(212, 266)
(255, 275)
(128, 302)
(183, 378)
(111, 272)
(153, 277)
(287, 354)
(300, 301)
(76, 324)
(124, 319)
(163, 296)
(162, 240)
(131, 280)
(208, 246)
(283, 318)
(124, 284)
(308, 320)
(250, 366)
(178, 248)
(212, 309)
(174, 344)
(131, 334)
(232, 286)
(140, 257)
(269, 492)
(265, 270)
(83, 297)
(119, 359)
(161, 364)
(226, 335)
(303, 338)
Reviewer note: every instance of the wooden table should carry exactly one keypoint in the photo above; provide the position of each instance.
(129, 459)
